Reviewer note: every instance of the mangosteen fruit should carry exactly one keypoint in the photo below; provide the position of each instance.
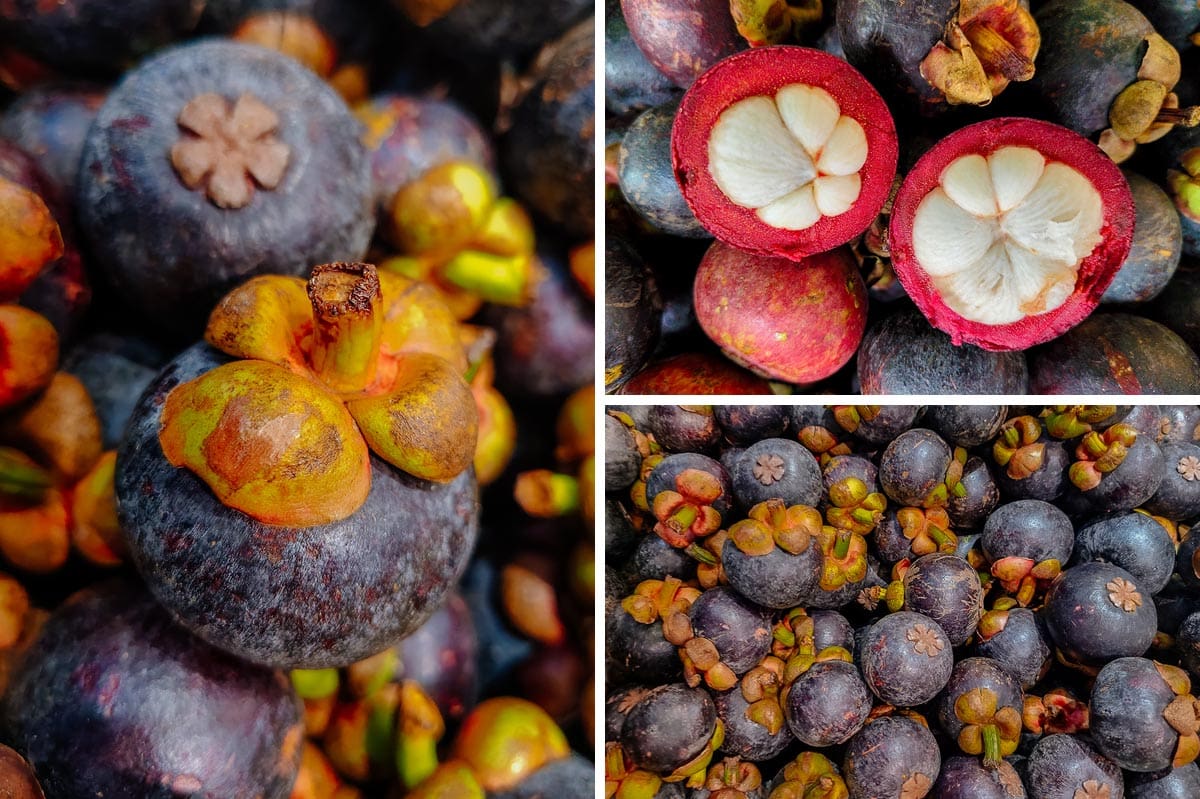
(906, 659)
(645, 177)
(1065, 767)
(1156, 248)
(682, 39)
(904, 354)
(695, 373)
(931, 55)
(1115, 353)
(1007, 232)
(827, 704)
(891, 756)
(631, 82)
(254, 480)
(793, 321)
(86, 707)
(548, 155)
(87, 38)
(1096, 612)
(215, 161)
(1142, 715)
(784, 151)
(50, 123)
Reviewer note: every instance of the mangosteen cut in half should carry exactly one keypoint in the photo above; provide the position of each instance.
(1007, 232)
(784, 151)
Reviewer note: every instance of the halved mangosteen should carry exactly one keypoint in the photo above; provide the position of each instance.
(784, 151)
(1007, 232)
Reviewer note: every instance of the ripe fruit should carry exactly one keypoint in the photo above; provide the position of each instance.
(784, 151)
(1007, 232)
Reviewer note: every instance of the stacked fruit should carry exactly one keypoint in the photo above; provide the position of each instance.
(893, 602)
(281, 284)
(992, 197)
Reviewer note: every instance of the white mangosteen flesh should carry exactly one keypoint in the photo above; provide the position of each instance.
(794, 158)
(1002, 237)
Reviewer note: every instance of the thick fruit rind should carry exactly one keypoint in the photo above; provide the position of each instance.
(764, 71)
(1095, 272)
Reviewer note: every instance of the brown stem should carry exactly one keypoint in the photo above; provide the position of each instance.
(1182, 117)
(347, 325)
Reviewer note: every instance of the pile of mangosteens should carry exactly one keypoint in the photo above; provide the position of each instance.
(288, 292)
(929, 197)
(897, 602)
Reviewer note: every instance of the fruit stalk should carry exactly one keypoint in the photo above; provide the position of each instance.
(347, 325)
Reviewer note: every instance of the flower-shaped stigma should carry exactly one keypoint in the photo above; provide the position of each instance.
(226, 149)
(1124, 594)
(916, 786)
(1093, 789)
(354, 364)
(1189, 467)
(925, 640)
(768, 469)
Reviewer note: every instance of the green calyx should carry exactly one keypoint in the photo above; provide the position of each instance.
(1018, 448)
(1072, 421)
(22, 480)
(854, 506)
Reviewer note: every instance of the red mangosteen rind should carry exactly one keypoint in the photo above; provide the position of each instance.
(795, 321)
(764, 71)
(1094, 273)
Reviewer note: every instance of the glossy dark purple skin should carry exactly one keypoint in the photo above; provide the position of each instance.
(668, 727)
(655, 559)
(638, 652)
(745, 424)
(647, 179)
(744, 738)
(116, 700)
(1177, 497)
(312, 597)
(441, 655)
(1157, 244)
(831, 628)
(1085, 624)
(115, 370)
(977, 673)
(631, 83)
(1187, 562)
(913, 464)
(1028, 528)
(1133, 541)
(426, 132)
(887, 753)
(904, 354)
(664, 475)
(1166, 423)
(800, 483)
(679, 429)
(892, 667)
(498, 28)
(981, 497)
(1126, 715)
(1132, 483)
(1115, 353)
(827, 704)
(946, 589)
(968, 778)
(134, 208)
(965, 425)
(92, 38)
(739, 629)
(1060, 764)
(1022, 648)
(1187, 644)
(777, 579)
(548, 155)
(545, 348)
(622, 461)
(633, 312)
(50, 122)
(1179, 783)
(1177, 308)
